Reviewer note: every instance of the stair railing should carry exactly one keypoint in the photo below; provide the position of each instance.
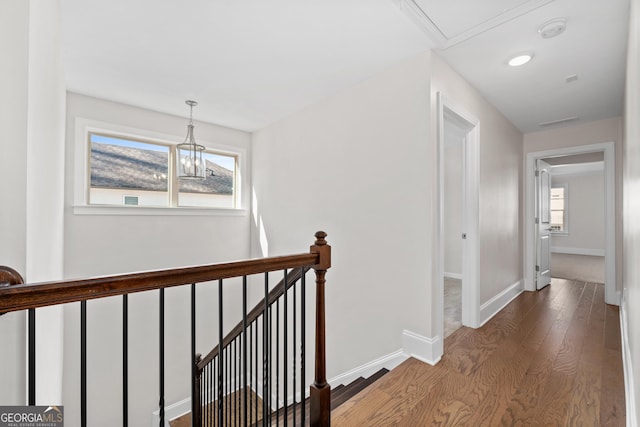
(256, 389)
(16, 296)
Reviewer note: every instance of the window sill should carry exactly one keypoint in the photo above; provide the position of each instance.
(560, 233)
(155, 211)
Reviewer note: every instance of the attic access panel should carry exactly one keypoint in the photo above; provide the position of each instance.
(454, 21)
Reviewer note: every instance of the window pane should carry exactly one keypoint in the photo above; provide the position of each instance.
(217, 189)
(557, 193)
(128, 172)
(557, 218)
(557, 204)
(557, 209)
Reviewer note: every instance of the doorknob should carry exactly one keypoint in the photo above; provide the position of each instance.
(464, 235)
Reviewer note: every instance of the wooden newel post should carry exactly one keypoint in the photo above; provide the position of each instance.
(196, 404)
(320, 393)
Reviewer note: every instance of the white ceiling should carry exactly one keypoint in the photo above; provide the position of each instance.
(250, 63)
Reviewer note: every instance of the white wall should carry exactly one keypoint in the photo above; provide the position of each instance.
(585, 207)
(631, 254)
(606, 130)
(14, 44)
(360, 166)
(453, 195)
(500, 183)
(109, 244)
(31, 176)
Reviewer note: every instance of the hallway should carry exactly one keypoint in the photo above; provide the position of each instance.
(551, 357)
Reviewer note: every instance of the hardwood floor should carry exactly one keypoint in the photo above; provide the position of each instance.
(550, 358)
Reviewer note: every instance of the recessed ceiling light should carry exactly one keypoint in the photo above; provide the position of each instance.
(518, 60)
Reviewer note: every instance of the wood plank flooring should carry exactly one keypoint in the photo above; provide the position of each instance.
(550, 358)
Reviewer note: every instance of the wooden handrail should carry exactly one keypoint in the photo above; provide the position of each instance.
(25, 296)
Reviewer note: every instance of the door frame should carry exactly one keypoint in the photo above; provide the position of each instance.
(470, 219)
(608, 148)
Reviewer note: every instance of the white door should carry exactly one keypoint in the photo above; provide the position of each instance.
(543, 224)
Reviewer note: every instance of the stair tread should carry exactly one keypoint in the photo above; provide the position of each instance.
(339, 391)
(355, 387)
(339, 395)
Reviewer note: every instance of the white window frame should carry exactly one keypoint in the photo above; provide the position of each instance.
(564, 232)
(82, 156)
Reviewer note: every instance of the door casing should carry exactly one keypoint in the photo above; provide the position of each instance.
(471, 245)
(612, 296)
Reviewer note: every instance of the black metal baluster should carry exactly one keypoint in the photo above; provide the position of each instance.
(232, 347)
(229, 382)
(270, 358)
(303, 340)
(32, 356)
(161, 349)
(236, 392)
(227, 371)
(293, 356)
(285, 337)
(194, 404)
(251, 378)
(265, 350)
(83, 364)
(125, 360)
(220, 356)
(244, 350)
(235, 382)
(212, 393)
(204, 378)
(204, 392)
(278, 356)
(257, 325)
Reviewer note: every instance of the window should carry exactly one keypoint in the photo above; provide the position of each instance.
(217, 189)
(559, 209)
(138, 172)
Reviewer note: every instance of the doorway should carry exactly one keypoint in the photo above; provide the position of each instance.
(577, 217)
(458, 178)
(531, 235)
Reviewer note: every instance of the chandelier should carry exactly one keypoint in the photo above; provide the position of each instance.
(190, 164)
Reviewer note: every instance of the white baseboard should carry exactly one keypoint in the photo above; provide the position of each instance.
(389, 362)
(453, 275)
(498, 302)
(413, 345)
(629, 386)
(577, 251)
(422, 348)
(428, 350)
